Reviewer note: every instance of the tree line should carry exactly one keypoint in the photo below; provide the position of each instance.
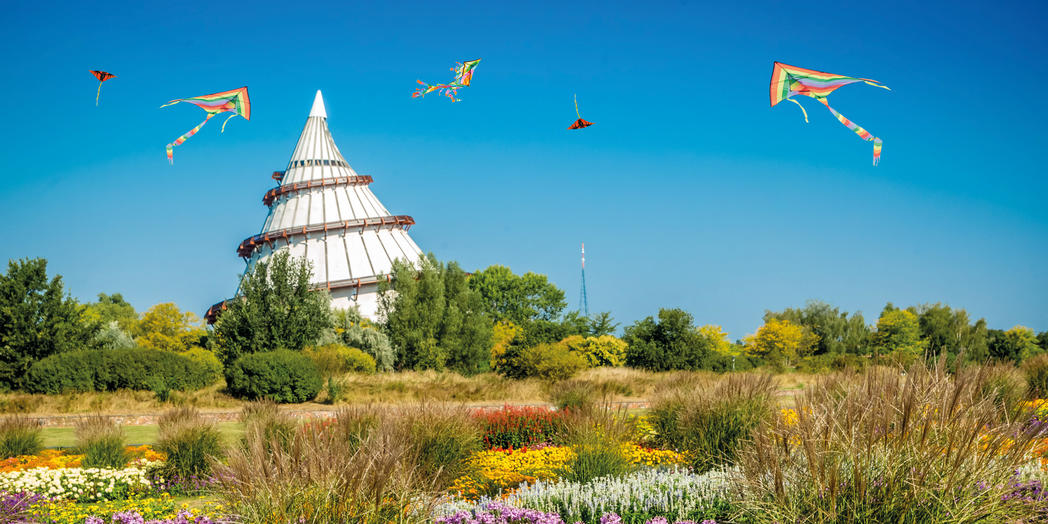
(435, 315)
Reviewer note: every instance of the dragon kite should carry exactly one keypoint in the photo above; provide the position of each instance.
(463, 76)
(787, 80)
(235, 101)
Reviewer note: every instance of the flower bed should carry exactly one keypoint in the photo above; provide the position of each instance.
(502, 470)
(59, 459)
(159, 509)
(498, 513)
(517, 427)
(79, 484)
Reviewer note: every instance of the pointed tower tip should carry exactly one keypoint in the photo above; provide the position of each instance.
(318, 106)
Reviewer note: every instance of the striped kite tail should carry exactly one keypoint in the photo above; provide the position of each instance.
(864, 134)
(178, 141)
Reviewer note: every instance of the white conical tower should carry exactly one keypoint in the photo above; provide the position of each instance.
(324, 211)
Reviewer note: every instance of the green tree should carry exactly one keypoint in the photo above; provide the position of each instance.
(838, 332)
(37, 319)
(434, 320)
(276, 309)
(1042, 340)
(353, 330)
(518, 298)
(602, 324)
(671, 342)
(898, 331)
(1016, 344)
(167, 328)
(949, 331)
(112, 308)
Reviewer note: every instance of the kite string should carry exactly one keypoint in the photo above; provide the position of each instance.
(99, 93)
(178, 141)
(864, 134)
(224, 123)
(802, 109)
(577, 106)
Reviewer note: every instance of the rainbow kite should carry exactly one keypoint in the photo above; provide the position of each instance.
(235, 101)
(102, 76)
(787, 80)
(463, 76)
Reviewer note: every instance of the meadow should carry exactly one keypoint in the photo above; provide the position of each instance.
(883, 444)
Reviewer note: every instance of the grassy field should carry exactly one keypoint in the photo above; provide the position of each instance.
(616, 384)
(59, 437)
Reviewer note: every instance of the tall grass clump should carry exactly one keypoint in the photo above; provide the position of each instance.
(709, 421)
(1036, 370)
(101, 442)
(191, 443)
(884, 446)
(264, 418)
(573, 395)
(597, 437)
(321, 476)
(443, 438)
(19, 435)
(1003, 383)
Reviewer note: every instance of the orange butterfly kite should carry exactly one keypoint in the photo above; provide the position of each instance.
(580, 123)
(102, 76)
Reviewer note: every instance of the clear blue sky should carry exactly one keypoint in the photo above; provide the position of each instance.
(689, 191)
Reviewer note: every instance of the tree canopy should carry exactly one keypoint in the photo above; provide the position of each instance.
(276, 309)
(37, 319)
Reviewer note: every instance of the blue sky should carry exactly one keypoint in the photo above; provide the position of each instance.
(689, 191)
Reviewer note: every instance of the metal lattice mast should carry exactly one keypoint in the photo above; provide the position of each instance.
(583, 303)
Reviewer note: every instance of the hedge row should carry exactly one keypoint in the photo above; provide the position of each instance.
(110, 370)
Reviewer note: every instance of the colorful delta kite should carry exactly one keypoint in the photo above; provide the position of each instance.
(463, 76)
(787, 80)
(235, 101)
(102, 76)
(580, 123)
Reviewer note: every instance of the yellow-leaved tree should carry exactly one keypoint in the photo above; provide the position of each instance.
(605, 350)
(167, 328)
(719, 340)
(503, 332)
(781, 341)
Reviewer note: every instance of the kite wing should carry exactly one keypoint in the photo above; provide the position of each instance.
(102, 76)
(787, 80)
(235, 102)
(463, 77)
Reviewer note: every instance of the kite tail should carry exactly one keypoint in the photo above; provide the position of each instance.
(875, 84)
(864, 134)
(99, 93)
(790, 99)
(178, 141)
(577, 106)
(422, 91)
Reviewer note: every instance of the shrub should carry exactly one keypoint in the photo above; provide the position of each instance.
(191, 443)
(101, 442)
(19, 435)
(354, 331)
(281, 376)
(546, 361)
(710, 421)
(671, 342)
(209, 360)
(885, 447)
(515, 427)
(605, 350)
(110, 370)
(336, 359)
(1036, 370)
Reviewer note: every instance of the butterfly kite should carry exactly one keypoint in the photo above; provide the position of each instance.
(787, 80)
(580, 123)
(102, 76)
(235, 101)
(463, 76)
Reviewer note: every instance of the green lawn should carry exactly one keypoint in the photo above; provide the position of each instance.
(133, 435)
